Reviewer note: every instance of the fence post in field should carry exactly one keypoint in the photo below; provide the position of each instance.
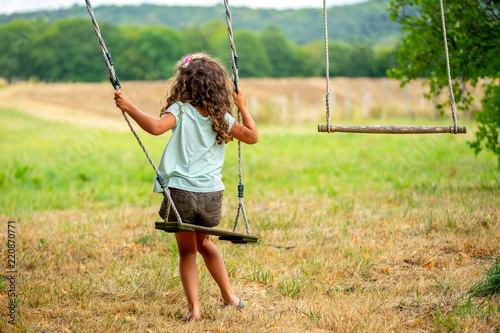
(407, 99)
(332, 101)
(284, 108)
(272, 109)
(487, 82)
(435, 101)
(460, 103)
(296, 107)
(347, 102)
(422, 102)
(366, 102)
(385, 94)
(254, 106)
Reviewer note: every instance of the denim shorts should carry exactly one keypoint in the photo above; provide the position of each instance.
(203, 209)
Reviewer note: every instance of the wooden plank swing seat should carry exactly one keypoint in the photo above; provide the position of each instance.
(392, 129)
(225, 235)
(234, 237)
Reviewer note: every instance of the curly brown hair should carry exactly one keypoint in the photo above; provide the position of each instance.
(204, 83)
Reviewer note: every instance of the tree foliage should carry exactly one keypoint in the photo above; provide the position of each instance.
(473, 34)
(67, 56)
(161, 48)
(67, 50)
(365, 22)
(16, 41)
(312, 56)
(282, 54)
(252, 53)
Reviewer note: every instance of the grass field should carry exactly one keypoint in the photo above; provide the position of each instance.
(359, 233)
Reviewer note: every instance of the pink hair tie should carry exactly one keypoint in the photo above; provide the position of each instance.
(186, 61)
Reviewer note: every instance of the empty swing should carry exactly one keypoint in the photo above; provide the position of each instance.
(390, 129)
(179, 226)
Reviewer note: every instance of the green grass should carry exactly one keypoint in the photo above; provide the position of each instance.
(489, 285)
(58, 166)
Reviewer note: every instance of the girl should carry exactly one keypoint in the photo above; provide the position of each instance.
(199, 113)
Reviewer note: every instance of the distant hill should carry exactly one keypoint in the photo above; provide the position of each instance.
(365, 22)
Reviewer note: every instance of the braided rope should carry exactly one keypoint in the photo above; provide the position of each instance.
(235, 77)
(450, 85)
(105, 53)
(116, 85)
(327, 62)
(234, 57)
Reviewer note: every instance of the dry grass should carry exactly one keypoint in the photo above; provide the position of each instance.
(381, 264)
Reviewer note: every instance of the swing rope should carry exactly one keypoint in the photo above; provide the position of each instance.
(234, 56)
(327, 61)
(391, 129)
(450, 84)
(235, 77)
(116, 84)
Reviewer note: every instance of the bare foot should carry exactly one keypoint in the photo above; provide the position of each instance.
(236, 302)
(192, 316)
(194, 312)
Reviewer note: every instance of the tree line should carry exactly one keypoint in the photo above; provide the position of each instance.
(366, 21)
(67, 50)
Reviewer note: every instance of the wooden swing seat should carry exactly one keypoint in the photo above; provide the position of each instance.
(392, 129)
(234, 237)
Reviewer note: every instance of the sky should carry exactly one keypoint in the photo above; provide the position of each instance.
(15, 6)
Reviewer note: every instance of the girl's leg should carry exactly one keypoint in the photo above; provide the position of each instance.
(186, 243)
(216, 267)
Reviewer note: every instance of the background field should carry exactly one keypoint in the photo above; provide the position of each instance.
(358, 233)
(271, 101)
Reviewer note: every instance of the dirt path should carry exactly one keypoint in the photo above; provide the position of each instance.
(82, 104)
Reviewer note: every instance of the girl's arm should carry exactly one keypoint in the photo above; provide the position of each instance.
(247, 131)
(148, 123)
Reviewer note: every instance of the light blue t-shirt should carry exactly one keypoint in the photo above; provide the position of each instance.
(192, 160)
